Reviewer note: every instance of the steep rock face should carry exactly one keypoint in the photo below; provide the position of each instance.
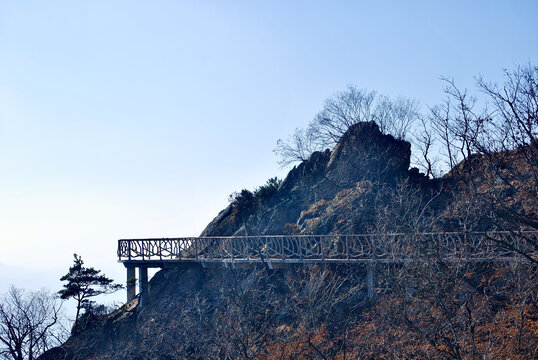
(349, 212)
(364, 152)
(363, 156)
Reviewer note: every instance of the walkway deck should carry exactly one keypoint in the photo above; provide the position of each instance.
(336, 249)
(465, 246)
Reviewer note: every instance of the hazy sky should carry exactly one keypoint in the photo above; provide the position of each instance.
(126, 119)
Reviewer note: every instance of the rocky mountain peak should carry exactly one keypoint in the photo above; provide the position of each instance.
(363, 153)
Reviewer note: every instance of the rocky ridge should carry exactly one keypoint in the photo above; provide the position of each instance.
(317, 196)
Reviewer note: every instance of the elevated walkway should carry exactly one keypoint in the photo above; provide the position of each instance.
(357, 249)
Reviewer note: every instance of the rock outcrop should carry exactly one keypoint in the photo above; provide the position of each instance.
(363, 160)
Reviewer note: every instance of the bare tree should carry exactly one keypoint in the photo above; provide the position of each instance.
(516, 103)
(342, 110)
(297, 148)
(339, 112)
(457, 124)
(507, 120)
(396, 117)
(514, 123)
(29, 324)
(424, 141)
(440, 121)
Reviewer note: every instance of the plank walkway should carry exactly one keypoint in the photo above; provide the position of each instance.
(457, 247)
(453, 246)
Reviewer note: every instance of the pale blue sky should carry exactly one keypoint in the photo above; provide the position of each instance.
(127, 119)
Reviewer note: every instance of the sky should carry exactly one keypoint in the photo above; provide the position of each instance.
(132, 119)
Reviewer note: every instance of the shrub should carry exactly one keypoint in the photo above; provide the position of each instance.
(267, 190)
(242, 201)
(246, 201)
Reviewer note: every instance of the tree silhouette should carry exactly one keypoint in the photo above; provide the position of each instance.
(339, 113)
(84, 283)
(29, 324)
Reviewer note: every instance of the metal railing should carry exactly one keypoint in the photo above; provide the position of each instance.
(454, 246)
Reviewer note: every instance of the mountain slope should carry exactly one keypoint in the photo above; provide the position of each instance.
(430, 309)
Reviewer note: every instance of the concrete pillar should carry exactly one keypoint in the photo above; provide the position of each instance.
(370, 281)
(142, 283)
(131, 283)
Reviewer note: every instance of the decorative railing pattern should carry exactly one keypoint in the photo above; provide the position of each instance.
(455, 246)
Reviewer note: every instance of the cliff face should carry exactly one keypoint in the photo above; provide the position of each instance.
(317, 196)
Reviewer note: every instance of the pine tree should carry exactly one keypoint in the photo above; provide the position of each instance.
(84, 283)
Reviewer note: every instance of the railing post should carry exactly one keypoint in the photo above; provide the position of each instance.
(282, 246)
(321, 249)
(369, 269)
(300, 247)
(347, 247)
(129, 248)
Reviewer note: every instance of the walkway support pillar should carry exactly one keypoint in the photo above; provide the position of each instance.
(370, 281)
(142, 283)
(131, 283)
